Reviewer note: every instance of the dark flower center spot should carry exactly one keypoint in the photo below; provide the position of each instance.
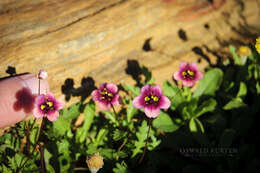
(47, 106)
(151, 100)
(188, 74)
(106, 95)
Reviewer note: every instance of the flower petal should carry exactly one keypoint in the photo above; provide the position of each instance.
(104, 106)
(115, 100)
(54, 116)
(176, 75)
(95, 95)
(145, 89)
(194, 66)
(112, 88)
(61, 104)
(199, 75)
(49, 94)
(40, 99)
(165, 103)
(183, 65)
(188, 83)
(137, 102)
(151, 112)
(158, 90)
(37, 113)
(102, 86)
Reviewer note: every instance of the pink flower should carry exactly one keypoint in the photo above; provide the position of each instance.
(188, 74)
(106, 96)
(47, 105)
(151, 100)
(43, 74)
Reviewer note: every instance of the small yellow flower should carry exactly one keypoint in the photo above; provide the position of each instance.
(95, 162)
(257, 45)
(244, 51)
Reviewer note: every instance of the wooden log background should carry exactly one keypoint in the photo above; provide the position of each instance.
(100, 38)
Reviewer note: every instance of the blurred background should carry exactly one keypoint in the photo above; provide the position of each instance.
(82, 43)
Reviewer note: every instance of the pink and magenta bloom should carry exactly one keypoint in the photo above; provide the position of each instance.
(151, 100)
(188, 74)
(106, 95)
(47, 106)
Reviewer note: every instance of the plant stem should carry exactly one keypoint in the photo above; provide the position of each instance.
(116, 116)
(119, 149)
(43, 166)
(145, 147)
(19, 169)
(39, 88)
(114, 110)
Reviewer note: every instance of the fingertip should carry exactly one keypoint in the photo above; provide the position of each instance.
(17, 97)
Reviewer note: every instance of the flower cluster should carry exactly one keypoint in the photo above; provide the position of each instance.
(151, 98)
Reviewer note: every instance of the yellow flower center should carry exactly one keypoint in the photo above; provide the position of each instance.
(151, 99)
(146, 98)
(43, 107)
(106, 95)
(188, 74)
(50, 104)
(243, 49)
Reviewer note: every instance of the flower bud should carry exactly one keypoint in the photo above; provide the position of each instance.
(95, 162)
(244, 51)
(43, 74)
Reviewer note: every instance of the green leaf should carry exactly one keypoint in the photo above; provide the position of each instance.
(61, 126)
(242, 90)
(195, 125)
(130, 112)
(227, 138)
(152, 145)
(141, 137)
(5, 169)
(257, 87)
(118, 134)
(210, 83)
(135, 91)
(234, 103)
(99, 140)
(89, 113)
(64, 155)
(72, 112)
(165, 123)
(206, 106)
(111, 117)
(185, 113)
(174, 93)
(16, 161)
(120, 168)
(108, 153)
(232, 50)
